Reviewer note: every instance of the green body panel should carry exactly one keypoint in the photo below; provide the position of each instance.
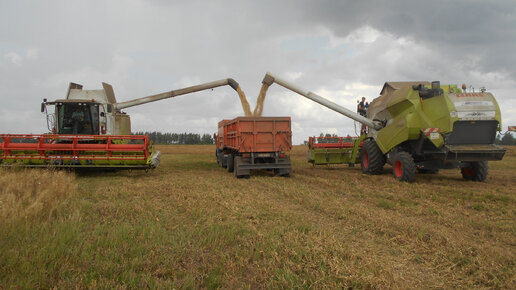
(407, 115)
(325, 156)
(436, 113)
(398, 132)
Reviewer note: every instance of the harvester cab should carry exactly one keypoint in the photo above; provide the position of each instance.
(423, 126)
(86, 112)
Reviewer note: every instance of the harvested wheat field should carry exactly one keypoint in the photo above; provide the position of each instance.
(190, 224)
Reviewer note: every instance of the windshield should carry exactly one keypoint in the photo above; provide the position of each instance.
(77, 118)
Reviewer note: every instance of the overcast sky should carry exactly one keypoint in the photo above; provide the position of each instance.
(342, 50)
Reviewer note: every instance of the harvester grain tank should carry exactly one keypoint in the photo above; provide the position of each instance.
(90, 130)
(423, 126)
(249, 143)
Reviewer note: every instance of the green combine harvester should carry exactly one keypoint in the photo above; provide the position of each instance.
(421, 126)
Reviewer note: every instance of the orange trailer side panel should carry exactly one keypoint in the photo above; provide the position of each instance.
(252, 134)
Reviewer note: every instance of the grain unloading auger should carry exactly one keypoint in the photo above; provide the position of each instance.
(89, 130)
(423, 126)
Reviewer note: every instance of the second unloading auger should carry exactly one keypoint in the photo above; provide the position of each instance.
(89, 130)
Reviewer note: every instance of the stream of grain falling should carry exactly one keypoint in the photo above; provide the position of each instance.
(258, 110)
(245, 104)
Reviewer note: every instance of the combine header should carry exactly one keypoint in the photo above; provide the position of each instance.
(89, 130)
(334, 150)
(78, 151)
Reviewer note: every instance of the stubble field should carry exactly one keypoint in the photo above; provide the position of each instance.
(190, 224)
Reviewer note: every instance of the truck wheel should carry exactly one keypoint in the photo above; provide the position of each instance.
(223, 160)
(372, 159)
(476, 171)
(231, 162)
(403, 167)
(220, 159)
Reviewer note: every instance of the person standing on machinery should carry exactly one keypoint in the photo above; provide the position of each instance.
(362, 110)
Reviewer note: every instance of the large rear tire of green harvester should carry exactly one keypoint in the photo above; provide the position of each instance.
(231, 163)
(476, 171)
(372, 159)
(403, 167)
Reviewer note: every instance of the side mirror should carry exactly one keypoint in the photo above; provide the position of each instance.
(109, 108)
(42, 107)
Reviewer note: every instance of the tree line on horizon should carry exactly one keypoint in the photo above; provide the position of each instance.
(178, 138)
(505, 139)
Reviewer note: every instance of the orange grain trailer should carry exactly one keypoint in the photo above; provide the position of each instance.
(248, 143)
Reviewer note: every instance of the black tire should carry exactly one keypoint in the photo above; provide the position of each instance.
(372, 159)
(403, 167)
(231, 163)
(427, 171)
(476, 171)
(223, 160)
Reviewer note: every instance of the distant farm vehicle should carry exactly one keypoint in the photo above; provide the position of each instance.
(248, 143)
(89, 130)
(335, 150)
(423, 126)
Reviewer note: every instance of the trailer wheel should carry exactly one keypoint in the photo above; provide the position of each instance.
(403, 167)
(372, 159)
(476, 171)
(231, 163)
